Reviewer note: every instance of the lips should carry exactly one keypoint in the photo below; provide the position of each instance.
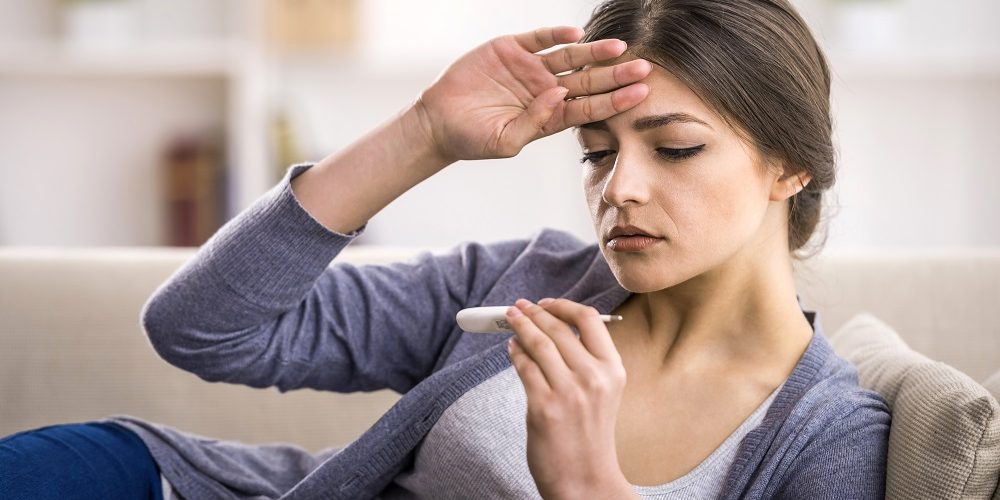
(629, 230)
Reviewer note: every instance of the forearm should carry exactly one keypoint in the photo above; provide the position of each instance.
(347, 188)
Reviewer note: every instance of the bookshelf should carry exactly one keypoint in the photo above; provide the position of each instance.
(85, 126)
(104, 116)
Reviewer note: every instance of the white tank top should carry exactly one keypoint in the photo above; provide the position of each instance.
(477, 449)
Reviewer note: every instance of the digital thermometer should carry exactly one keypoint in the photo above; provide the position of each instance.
(493, 319)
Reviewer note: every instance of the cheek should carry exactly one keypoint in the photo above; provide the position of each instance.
(712, 207)
(592, 184)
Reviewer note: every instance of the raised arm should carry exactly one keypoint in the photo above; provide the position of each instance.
(259, 304)
(489, 103)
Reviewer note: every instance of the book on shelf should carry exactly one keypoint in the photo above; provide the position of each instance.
(311, 26)
(194, 179)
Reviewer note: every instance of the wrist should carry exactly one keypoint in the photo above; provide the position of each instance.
(416, 121)
(611, 485)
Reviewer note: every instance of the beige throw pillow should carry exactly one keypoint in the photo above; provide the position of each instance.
(944, 440)
(992, 384)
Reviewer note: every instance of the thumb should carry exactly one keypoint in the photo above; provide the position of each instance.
(526, 127)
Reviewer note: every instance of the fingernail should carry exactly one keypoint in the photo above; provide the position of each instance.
(544, 301)
(513, 311)
(560, 95)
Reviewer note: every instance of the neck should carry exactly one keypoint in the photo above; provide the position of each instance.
(743, 313)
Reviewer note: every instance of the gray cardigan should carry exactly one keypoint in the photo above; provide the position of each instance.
(261, 304)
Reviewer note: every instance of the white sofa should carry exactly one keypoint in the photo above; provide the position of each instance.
(72, 349)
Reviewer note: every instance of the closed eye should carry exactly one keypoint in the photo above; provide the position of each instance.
(679, 154)
(672, 154)
(595, 156)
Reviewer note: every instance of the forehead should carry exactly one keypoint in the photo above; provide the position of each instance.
(667, 94)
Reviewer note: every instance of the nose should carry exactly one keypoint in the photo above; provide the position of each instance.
(626, 182)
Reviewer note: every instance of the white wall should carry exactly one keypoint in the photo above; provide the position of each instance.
(917, 163)
(915, 118)
(75, 155)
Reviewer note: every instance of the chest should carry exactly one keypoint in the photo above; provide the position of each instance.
(670, 422)
(663, 436)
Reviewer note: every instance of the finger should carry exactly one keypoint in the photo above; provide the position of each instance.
(602, 106)
(530, 373)
(543, 38)
(540, 348)
(600, 79)
(529, 124)
(574, 354)
(579, 55)
(594, 334)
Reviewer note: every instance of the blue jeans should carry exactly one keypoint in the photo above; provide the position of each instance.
(77, 461)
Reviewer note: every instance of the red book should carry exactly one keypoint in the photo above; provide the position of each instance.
(193, 190)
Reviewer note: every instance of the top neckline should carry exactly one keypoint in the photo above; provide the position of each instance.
(753, 420)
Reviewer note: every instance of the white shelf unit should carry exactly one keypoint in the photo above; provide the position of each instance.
(101, 115)
(68, 178)
(148, 60)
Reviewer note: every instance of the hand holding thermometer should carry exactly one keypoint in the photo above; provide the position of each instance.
(493, 319)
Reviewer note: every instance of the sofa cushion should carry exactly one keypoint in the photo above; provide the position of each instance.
(944, 440)
(992, 384)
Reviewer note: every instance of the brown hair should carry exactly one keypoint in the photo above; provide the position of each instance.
(757, 65)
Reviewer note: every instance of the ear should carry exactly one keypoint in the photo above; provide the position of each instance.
(789, 183)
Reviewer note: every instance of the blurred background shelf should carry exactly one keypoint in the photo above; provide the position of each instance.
(96, 94)
(982, 65)
(194, 59)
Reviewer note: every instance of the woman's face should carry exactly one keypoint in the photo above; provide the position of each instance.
(673, 168)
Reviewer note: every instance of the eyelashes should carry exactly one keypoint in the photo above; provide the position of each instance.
(671, 154)
(679, 154)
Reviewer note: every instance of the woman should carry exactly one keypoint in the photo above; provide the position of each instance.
(705, 132)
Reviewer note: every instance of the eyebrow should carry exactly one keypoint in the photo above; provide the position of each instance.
(650, 122)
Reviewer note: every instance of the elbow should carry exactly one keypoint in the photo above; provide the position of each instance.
(160, 328)
(171, 338)
(180, 335)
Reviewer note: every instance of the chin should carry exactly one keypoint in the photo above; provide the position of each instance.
(648, 275)
(639, 279)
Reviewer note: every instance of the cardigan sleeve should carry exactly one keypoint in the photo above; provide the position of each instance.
(844, 460)
(260, 304)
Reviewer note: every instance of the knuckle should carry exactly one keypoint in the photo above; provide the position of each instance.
(540, 345)
(618, 375)
(615, 101)
(508, 151)
(587, 82)
(595, 383)
(588, 109)
(587, 313)
(616, 75)
(568, 58)
(567, 331)
(549, 413)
